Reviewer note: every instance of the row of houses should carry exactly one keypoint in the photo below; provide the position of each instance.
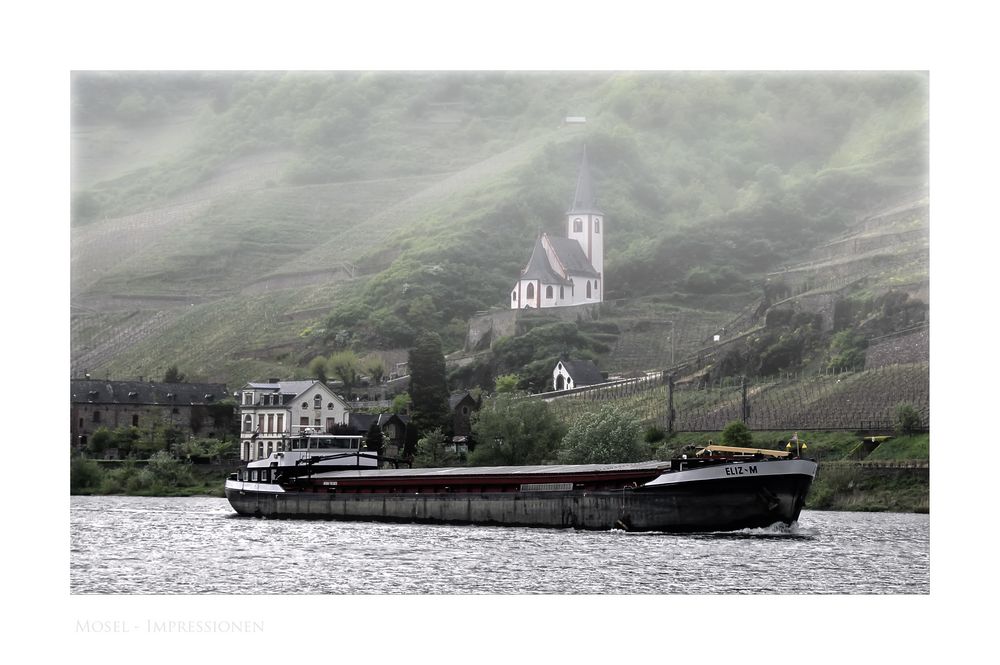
(266, 414)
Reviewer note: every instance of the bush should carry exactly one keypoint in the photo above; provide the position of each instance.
(608, 436)
(908, 420)
(85, 475)
(737, 434)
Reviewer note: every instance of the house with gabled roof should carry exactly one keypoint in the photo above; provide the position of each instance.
(273, 411)
(568, 271)
(569, 374)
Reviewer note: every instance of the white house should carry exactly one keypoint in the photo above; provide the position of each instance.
(567, 271)
(271, 412)
(575, 374)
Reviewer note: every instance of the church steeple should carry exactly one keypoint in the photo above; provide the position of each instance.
(583, 199)
(584, 221)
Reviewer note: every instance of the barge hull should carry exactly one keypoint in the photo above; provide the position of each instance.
(718, 505)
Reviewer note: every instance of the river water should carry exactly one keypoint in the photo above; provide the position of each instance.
(140, 545)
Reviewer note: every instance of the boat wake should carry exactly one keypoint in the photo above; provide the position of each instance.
(777, 530)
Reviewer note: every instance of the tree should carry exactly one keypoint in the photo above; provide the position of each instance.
(511, 430)
(908, 420)
(344, 365)
(506, 383)
(608, 436)
(428, 385)
(173, 375)
(374, 438)
(317, 368)
(432, 451)
(737, 434)
(376, 370)
(401, 403)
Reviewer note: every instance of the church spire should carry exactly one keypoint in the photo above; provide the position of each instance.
(583, 199)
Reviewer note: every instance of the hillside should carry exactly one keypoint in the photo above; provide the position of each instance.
(239, 224)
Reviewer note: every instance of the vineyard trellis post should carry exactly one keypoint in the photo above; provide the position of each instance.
(745, 410)
(670, 403)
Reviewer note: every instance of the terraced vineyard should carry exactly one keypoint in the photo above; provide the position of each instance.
(847, 401)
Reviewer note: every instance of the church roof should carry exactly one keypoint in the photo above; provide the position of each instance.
(583, 199)
(583, 372)
(572, 257)
(538, 266)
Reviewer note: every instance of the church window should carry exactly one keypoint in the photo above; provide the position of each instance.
(548, 292)
(588, 288)
(562, 292)
(513, 296)
(597, 226)
(577, 225)
(529, 293)
(318, 402)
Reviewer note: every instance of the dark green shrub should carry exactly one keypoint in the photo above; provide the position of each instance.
(908, 420)
(737, 434)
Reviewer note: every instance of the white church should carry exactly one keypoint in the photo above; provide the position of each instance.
(567, 271)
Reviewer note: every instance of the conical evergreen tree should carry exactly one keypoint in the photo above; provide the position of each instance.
(428, 385)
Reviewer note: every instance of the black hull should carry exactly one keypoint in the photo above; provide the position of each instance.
(710, 505)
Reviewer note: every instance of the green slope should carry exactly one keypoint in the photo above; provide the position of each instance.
(228, 211)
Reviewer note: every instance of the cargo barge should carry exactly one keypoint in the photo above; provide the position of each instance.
(719, 489)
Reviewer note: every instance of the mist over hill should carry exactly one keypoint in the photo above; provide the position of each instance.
(238, 224)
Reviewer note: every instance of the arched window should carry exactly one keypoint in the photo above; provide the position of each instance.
(513, 296)
(588, 288)
(597, 226)
(530, 292)
(562, 292)
(548, 292)
(577, 225)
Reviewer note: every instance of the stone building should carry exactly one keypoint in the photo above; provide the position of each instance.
(194, 409)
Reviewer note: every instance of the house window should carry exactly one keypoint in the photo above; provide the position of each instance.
(281, 422)
(318, 402)
(270, 423)
(97, 416)
(135, 421)
(330, 422)
(329, 407)
(305, 405)
(247, 423)
(597, 226)
(304, 421)
(577, 225)
(253, 475)
(548, 292)
(530, 292)
(248, 398)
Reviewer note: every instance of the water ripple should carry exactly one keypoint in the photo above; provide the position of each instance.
(138, 545)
